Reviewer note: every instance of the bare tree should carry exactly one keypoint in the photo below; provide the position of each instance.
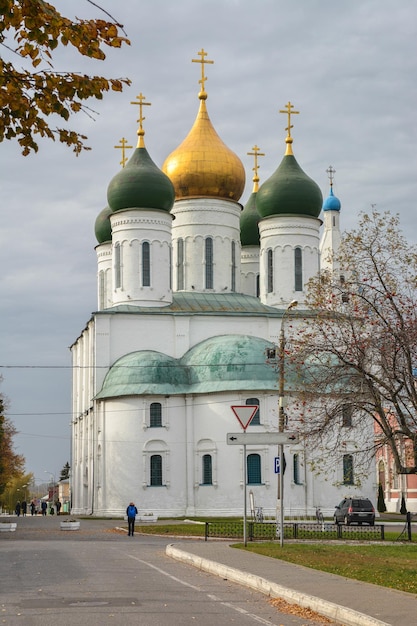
(357, 352)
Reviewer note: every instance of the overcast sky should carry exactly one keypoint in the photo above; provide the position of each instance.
(349, 68)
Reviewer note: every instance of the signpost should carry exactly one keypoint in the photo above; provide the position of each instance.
(244, 413)
(261, 438)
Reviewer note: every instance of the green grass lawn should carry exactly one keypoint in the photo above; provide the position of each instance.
(382, 564)
(177, 529)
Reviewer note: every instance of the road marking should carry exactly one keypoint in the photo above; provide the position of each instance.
(161, 571)
(238, 609)
(261, 620)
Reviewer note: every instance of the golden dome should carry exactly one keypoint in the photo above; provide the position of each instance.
(203, 165)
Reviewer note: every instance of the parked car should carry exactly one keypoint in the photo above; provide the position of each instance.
(351, 510)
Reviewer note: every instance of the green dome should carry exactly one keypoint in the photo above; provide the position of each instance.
(236, 359)
(249, 218)
(217, 364)
(144, 372)
(102, 227)
(289, 190)
(140, 185)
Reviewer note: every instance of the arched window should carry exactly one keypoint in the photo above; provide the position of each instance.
(209, 262)
(348, 469)
(296, 469)
(347, 412)
(256, 419)
(298, 269)
(117, 266)
(258, 290)
(146, 264)
(155, 415)
(233, 276)
(180, 264)
(156, 470)
(270, 271)
(207, 470)
(254, 469)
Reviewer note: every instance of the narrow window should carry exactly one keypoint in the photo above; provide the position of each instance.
(102, 289)
(156, 470)
(170, 267)
(270, 272)
(155, 415)
(209, 263)
(296, 469)
(347, 415)
(146, 265)
(298, 269)
(254, 469)
(233, 277)
(207, 470)
(117, 266)
(256, 419)
(258, 290)
(180, 264)
(347, 469)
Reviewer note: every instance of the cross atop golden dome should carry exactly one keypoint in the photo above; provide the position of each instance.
(202, 95)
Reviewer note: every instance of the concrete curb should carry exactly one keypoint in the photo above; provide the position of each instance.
(341, 614)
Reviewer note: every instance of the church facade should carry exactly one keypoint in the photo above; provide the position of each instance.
(193, 291)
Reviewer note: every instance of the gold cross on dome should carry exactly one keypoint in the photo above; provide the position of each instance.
(331, 172)
(140, 102)
(256, 154)
(203, 60)
(123, 147)
(289, 112)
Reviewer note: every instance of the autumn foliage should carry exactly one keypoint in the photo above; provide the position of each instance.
(30, 32)
(11, 464)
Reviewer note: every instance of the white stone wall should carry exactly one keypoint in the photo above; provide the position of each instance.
(196, 219)
(249, 270)
(330, 242)
(283, 234)
(130, 229)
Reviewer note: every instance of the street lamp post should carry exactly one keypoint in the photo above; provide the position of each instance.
(53, 485)
(281, 423)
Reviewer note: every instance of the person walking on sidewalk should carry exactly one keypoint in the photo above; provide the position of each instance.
(131, 513)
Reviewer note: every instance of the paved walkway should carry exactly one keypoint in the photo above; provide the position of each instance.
(346, 601)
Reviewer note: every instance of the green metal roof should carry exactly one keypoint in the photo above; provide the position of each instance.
(189, 303)
(223, 363)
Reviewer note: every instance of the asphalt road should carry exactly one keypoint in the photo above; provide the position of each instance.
(99, 575)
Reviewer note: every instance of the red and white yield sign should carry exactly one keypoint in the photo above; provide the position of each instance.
(245, 413)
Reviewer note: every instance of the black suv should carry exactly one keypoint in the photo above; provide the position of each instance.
(359, 510)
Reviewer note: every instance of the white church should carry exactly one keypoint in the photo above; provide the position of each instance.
(192, 291)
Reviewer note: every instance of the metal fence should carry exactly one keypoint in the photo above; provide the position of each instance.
(267, 531)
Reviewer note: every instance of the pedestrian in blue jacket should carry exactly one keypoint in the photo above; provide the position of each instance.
(131, 513)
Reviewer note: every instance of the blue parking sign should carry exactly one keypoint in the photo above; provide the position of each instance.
(277, 468)
(276, 465)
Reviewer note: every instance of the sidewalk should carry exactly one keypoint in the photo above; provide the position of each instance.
(346, 601)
